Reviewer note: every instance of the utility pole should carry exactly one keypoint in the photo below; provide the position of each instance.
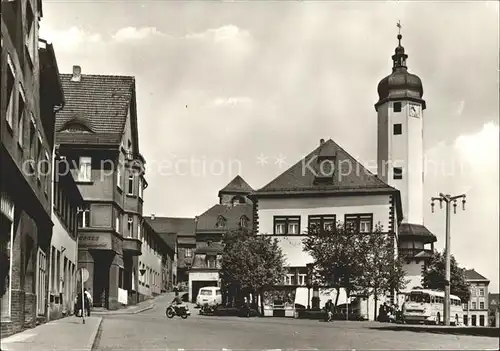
(447, 199)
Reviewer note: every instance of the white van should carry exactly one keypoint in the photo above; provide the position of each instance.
(210, 295)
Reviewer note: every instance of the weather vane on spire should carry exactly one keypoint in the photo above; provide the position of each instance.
(399, 26)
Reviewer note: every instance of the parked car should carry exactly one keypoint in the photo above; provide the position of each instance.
(210, 295)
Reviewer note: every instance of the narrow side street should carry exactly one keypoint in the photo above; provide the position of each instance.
(152, 330)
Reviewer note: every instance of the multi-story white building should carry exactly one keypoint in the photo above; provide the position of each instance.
(476, 310)
(307, 194)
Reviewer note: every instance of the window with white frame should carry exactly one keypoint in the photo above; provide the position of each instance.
(481, 291)
(474, 305)
(141, 187)
(365, 225)
(130, 188)
(84, 217)
(286, 225)
(118, 177)
(41, 282)
(290, 279)
(188, 252)
(20, 116)
(117, 221)
(324, 224)
(85, 170)
(139, 234)
(302, 279)
(9, 115)
(361, 223)
(130, 226)
(481, 305)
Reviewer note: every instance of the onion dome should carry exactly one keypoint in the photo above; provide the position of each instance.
(400, 84)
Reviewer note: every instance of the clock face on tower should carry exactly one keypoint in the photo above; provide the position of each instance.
(415, 110)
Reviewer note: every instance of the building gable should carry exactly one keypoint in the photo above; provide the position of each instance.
(314, 174)
(101, 101)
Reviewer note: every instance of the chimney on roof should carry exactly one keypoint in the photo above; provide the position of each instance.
(152, 216)
(77, 74)
(321, 141)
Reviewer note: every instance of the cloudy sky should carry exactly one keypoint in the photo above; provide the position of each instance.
(221, 83)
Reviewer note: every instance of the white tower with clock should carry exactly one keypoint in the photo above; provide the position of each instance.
(400, 160)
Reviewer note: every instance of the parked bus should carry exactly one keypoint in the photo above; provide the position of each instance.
(427, 306)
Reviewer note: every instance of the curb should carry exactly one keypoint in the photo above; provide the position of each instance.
(94, 336)
(120, 313)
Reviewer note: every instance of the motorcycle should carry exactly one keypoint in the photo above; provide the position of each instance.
(182, 311)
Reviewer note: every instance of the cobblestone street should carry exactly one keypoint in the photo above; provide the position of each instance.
(151, 330)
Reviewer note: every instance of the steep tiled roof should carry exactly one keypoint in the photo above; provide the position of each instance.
(232, 214)
(170, 239)
(177, 225)
(416, 230)
(101, 101)
(352, 177)
(471, 274)
(237, 185)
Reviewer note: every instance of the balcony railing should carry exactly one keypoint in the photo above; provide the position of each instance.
(410, 252)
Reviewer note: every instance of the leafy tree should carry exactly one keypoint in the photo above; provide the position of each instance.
(383, 270)
(251, 263)
(433, 276)
(338, 260)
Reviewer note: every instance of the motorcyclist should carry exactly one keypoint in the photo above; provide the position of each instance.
(176, 302)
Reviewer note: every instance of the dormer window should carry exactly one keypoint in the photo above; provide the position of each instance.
(236, 200)
(243, 222)
(325, 165)
(221, 222)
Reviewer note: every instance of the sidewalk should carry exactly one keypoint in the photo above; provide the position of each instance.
(63, 334)
(134, 309)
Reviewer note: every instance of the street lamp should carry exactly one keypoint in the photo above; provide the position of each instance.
(447, 199)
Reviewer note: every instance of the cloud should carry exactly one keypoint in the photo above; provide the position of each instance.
(472, 167)
(226, 33)
(480, 149)
(232, 101)
(233, 40)
(70, 39)
(133, 33)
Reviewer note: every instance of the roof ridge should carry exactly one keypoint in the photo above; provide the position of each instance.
(286, 170)
(100, 75)
(366, 170)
